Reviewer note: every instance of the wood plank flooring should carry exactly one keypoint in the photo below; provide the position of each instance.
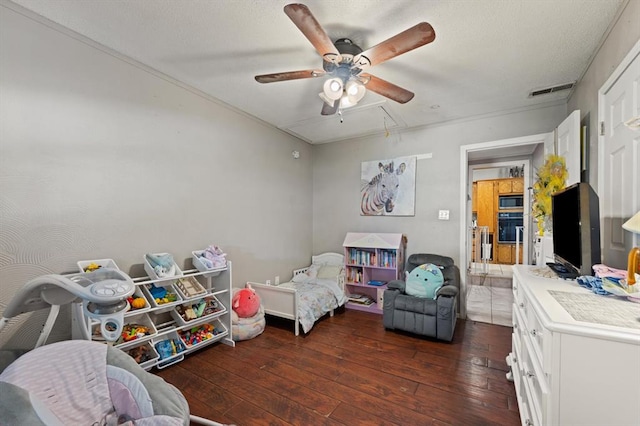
(349, 370)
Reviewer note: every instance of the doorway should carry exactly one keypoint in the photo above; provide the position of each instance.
(479, 156)
(498, 209)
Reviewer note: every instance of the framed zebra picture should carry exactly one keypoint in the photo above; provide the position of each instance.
(388, 187)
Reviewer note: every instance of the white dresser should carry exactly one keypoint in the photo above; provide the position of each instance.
(570, 372)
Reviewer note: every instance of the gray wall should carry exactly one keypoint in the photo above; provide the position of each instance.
(101, 158)
(622, 37)
(336, 179)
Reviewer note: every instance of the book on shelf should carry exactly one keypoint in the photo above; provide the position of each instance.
(361, 299)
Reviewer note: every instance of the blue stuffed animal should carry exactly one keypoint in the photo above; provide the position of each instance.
(424, 281)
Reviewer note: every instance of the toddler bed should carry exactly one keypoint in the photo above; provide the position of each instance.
(313, 291)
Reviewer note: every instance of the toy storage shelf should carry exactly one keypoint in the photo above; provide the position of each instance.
(166, 326)
(371, 261)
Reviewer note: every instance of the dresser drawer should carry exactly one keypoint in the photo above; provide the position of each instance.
(518, 291)
(540, 339)
(535, 381)
(519, 328)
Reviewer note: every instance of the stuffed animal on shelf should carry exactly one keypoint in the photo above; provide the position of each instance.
(246, 302)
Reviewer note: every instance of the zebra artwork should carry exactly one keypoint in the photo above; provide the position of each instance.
(380, 193)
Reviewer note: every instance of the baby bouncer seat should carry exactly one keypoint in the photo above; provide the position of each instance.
(78, 382)
(83, 382)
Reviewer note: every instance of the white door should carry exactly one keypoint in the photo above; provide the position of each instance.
(564, 141)
(619, 180)
(568, 146)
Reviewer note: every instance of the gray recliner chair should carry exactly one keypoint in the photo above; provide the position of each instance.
(427, 317)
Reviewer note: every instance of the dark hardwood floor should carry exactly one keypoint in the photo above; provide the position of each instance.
(350, 371)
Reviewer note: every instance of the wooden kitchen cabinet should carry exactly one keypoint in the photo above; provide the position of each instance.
(486, 205)
(510, 186)
(506, 254)
(474, 197)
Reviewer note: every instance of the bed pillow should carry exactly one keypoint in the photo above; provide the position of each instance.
(329, 271)
(424, 281)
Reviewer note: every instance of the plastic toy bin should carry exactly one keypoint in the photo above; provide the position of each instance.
(202, 334)
(130, 324)
(170, 290)
(212, 307)
(170, 349)
(145, 355)
(139, 293)
(152, 273)
(189, 287)
(200, 266)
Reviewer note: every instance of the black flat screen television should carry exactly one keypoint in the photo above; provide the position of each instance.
(575, 214)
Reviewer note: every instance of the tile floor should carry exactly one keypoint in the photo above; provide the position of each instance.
(489, 296)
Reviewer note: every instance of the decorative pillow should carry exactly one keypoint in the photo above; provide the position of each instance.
(424, 281)
(329, 271)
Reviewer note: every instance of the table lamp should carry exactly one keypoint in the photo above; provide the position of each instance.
(633, 225)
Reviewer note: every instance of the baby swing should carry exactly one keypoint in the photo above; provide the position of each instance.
(80, 381)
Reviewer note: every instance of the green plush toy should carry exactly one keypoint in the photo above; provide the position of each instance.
(424, 281)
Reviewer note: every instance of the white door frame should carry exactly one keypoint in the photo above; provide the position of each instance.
(465, 188)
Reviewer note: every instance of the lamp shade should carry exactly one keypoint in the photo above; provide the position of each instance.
(633, 224)
(332, 88)
(355, 90)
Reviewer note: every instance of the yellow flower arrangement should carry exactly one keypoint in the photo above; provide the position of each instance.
(552, 177)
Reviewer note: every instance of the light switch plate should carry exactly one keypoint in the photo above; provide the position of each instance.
(443, 214)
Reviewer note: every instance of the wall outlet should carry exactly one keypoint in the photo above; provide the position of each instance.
(277, 281)
(443, 214)
(268, 282)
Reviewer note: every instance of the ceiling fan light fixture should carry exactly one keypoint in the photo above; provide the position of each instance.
(346, 102)
(332, 88)
(355, 90)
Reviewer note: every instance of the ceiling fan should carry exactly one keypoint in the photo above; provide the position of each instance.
(346, 63)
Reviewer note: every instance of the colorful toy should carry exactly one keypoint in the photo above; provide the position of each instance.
(198, 334)
(246, 302)
(137, 302)
(133, 331)
(92, 267)
(424, 281)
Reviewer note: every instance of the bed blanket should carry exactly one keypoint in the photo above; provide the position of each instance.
(316, 297)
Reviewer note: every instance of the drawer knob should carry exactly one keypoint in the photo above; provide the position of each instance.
(530, 374)
(534, 332)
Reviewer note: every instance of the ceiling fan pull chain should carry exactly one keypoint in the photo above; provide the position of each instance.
(340, 114)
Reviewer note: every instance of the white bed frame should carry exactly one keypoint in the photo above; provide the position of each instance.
(283, 302)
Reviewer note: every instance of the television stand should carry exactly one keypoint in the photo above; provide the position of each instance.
(562, 272)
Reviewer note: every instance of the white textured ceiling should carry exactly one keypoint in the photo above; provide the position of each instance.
(486, 57)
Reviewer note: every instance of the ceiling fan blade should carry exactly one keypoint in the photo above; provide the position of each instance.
(386, 89)
(305, 21)
(414, 37)
(290, 75)
(328, 109)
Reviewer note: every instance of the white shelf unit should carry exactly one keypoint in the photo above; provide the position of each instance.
(165, 322)
(372, 257)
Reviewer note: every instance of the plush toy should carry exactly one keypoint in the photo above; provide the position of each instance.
(424, 281)
(246, 302)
